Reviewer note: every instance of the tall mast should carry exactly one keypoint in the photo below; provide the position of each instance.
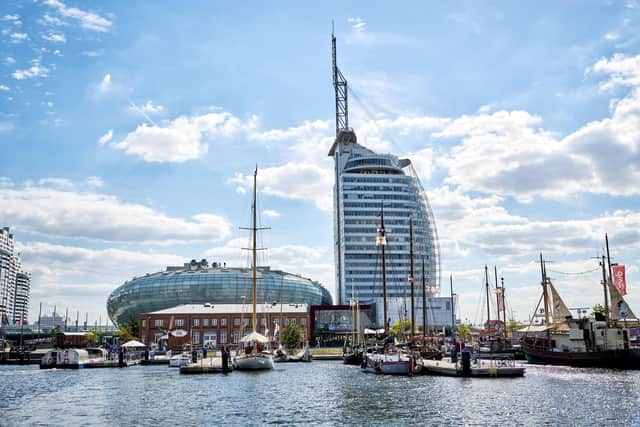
(340, 88)
(504, 309)
(604, 287)
(453, 312)
(486, 279)
(253, 250)
(606, 302)
(424, 301)
(413, 320)
(495, 272)
(544, 290)
(382, 242)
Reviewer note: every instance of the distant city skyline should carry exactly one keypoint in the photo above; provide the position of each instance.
(129, 133)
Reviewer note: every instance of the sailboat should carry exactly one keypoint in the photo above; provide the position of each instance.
(598, 341)
(254, 358)
(394, 361)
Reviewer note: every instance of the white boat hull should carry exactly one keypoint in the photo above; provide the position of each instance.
(253, 362)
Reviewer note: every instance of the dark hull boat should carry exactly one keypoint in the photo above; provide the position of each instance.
(354, 358)
(537, 353)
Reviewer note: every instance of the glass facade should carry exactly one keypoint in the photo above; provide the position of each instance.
(197, 283)
(365, 182)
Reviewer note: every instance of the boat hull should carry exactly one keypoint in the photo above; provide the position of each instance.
(616, 359)
(253, 362)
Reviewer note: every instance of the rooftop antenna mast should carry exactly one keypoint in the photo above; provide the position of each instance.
(340, 87)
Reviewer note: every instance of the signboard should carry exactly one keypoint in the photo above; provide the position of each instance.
(179, 333)
(619, 280)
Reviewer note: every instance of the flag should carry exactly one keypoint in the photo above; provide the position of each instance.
(619, 280)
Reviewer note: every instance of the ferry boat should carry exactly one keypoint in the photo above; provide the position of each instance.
(602, 340)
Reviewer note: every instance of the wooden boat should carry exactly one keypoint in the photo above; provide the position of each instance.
(602, 340)
(255, 357)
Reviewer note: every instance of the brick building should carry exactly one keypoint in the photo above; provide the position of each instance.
(217, 324)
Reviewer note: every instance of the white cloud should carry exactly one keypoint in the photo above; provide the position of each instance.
(271, 213)
(357, 24)
(55, 37)
(52, 20)
(180, 139)
(611, 36)
(18, 37)
(100, 217)
(92, 53)
(87, 20)
(294, 180)
(10, 18)
(149, 108)
(56, 182)
(95, 182)
(106, 137)
(36, 70)
(622, 71)
(10, 60)
(4, 88)
(105, 84)
(361, 35)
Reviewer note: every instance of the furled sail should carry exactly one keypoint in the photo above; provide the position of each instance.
(619, 307)
(560, 310)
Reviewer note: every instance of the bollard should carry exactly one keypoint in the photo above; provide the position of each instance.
(466, 363)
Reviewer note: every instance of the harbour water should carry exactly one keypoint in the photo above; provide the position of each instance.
(318, 393)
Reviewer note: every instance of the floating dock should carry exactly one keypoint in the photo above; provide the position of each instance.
(484, 368)
(209, 365)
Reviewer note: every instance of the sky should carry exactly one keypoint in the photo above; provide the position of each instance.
(129, 132)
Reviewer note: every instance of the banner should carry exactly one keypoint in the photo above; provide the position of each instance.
(619, 280)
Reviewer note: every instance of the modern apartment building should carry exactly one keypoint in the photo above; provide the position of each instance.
(368, 184)
(15, 283)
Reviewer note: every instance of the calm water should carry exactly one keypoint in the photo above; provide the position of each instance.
(320, 393)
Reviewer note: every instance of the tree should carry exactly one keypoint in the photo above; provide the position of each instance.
(128, 331)
(292, 336)
(598, 308)
(463, 331)
(400, 327)
(92, 337)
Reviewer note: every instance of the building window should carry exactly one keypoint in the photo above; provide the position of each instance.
(223, 322)
(286, 322)
(236, 322)
(157, 337)
(196, 337)
(214, 322)
(236, 337)
(245, 322)
(159, 323)
(144, 323)
(303, 321)
(293, 321)
(276, 321)
(205, 322)
(196, 322)
(179, 322)
(210, 337)
(223, 336)
(144, 338)
(263, 322)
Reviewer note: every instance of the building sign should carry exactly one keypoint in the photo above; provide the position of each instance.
(619, 280)
(179, 333)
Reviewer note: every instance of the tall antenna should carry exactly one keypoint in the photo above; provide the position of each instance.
(340, 87)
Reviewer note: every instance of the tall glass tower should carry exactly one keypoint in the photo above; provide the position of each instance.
(367, 183)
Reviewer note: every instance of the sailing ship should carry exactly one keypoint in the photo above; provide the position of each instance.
(602, 340)
(254, 357)
(394, 360)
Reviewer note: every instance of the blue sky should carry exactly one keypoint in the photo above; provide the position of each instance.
(129, 131)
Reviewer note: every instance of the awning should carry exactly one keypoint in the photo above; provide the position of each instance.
(132, 344)
(255, 337)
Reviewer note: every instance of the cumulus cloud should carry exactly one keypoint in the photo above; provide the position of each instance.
(55, 37)
(9, 60)
(181, 139)
(293, 180)
(61, 213)
(56, 182)
(105, 84)
(4, 88)
(148, 108)
(18, 37)
(36, 70)
(106, 137)
(95, 182)
(271, 213)
(87, 20)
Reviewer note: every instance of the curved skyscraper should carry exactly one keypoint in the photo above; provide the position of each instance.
(367, 183)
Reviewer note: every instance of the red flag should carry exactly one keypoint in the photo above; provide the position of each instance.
(619, 280)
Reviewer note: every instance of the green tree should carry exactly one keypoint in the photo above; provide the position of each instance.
(598, 308)
(92, 336)
(400, 327)
(463, 331)
(292, 336)
(127, 331)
